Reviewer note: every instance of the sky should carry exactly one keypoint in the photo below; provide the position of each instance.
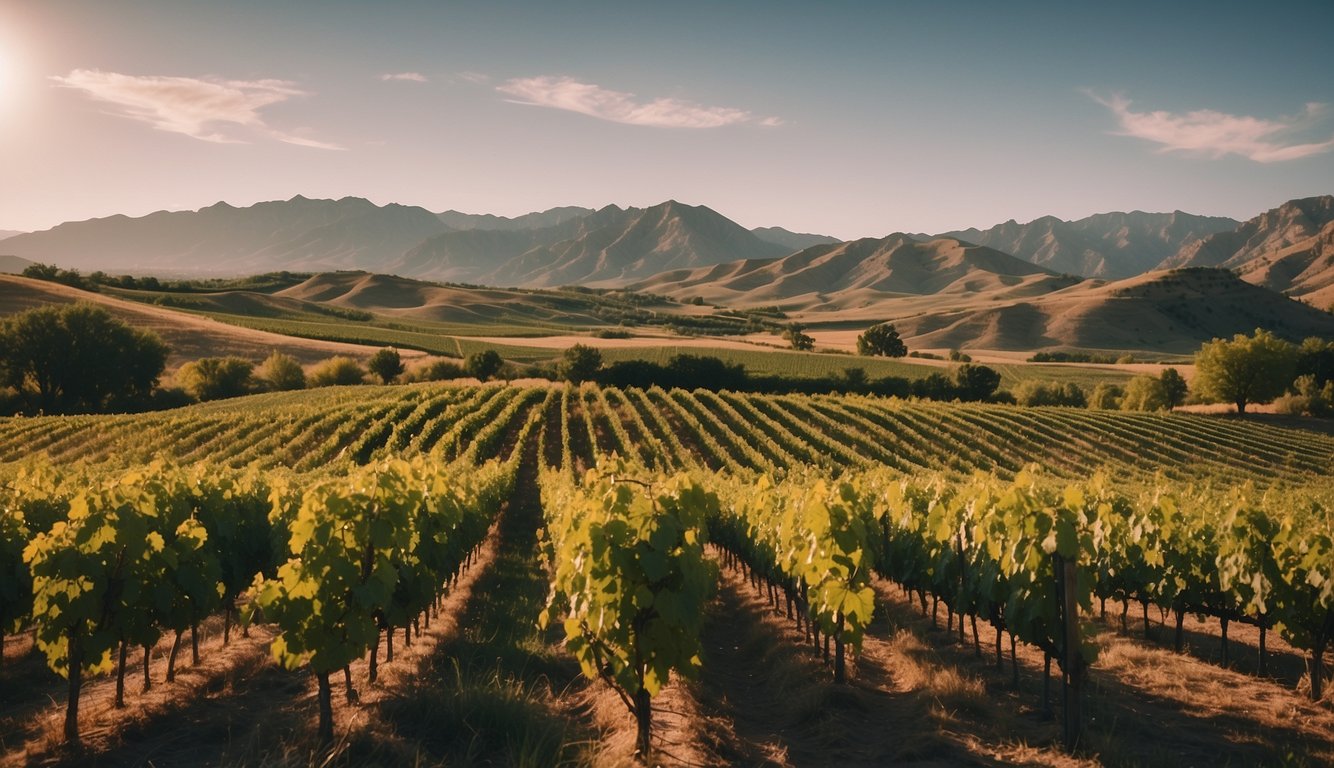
(844, 118)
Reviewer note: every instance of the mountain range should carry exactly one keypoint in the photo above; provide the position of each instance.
(560, 245)
(1011, 276)
(1106, 245)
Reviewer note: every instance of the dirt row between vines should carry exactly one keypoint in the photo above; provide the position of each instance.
(918, 695)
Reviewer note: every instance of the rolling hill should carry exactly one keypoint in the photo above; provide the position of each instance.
(1165, 311)
(188, 336)
(13, 264)
(1289, 249)
(862, 277)
(1106, 245)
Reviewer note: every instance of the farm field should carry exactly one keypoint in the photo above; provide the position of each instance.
(481, 682)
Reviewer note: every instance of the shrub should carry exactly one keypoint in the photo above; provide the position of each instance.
(484, 365)
(216, 378)
(338, 370)
(1037, 393)
(281, 372)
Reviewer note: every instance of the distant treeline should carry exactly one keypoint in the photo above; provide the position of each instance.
(966, 382)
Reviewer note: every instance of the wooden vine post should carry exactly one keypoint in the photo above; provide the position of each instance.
(1072, 663)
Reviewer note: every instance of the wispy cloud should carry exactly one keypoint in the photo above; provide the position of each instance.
(195, 107)
(1217, 134)
(410, 77)
(618, 107)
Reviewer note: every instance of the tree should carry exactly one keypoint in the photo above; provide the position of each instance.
(1174, 387)
(976, 382)
(1106, 397)
(281, 373)
(78, 358)
(1145, 393)
(881, 339)
(1033, 392)
(1315, 357)
(386, 364)
(796, 336)
(484, 365)
(580, 363)
(442, 370)
(215, 378)
(336, 371)
(1247, 369)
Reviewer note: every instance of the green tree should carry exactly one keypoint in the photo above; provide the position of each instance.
(1034, 392)
(338, 370)
(795, 334)
(78, 358)
(1145, 393)
(1245, 370)
(1315, 357)
(1174, 387)
(1106, 397)
(484, 365)
(215, 378)
(386, 364)
(281, 373)
(881, 339)
(580, 363)
(976, 382)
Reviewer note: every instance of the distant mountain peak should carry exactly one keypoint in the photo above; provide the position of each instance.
(1107, 245)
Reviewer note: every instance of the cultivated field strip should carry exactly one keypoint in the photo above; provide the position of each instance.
(681, 429)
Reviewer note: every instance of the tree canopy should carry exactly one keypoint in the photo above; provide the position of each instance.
(796, 335)
(1245, 370)
(281, 372)
(580, 363)
(484, 365)
(386, 365)
(881, 339)
(215, 378)
(78, 358)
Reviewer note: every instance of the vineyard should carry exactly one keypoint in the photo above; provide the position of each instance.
(608, 526)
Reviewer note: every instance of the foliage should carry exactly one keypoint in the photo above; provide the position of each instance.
(1144, 393)
(337, 371)
(795, 335)
(580, 363)
(1106, 397)
(882, 339)
(386, 364)
(1315, 358)
(1038, 393)
(215, 378)
(281, 372)
(630, 578)
(1175, 388)
(483, 365)
(975, 382)
(1245, 370)
(78, 358)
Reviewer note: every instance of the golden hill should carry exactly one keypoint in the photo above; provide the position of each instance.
(189, 336)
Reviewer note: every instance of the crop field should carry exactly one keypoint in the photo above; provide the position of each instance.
(557, 575)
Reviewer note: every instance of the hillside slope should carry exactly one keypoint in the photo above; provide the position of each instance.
(1106, 245)
(1289, 249)
(869, 274)
(188, 336)
(1166, 311)
(296, 235)
(617, 246)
